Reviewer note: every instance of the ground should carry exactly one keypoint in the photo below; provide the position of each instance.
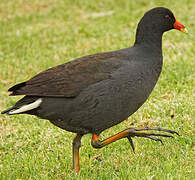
(38, 34)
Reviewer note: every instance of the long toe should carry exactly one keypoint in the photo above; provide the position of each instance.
(158, 129)
(133, 132)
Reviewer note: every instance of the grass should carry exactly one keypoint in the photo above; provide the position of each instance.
(38, 34)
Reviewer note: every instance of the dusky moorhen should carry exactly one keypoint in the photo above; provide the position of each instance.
(96, 92)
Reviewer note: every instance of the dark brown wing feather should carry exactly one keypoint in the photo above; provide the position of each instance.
(67, 80)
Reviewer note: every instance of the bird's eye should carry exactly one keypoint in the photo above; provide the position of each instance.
(167, 16)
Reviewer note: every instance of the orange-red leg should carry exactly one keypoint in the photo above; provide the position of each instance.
(129, 133)
(76, 145)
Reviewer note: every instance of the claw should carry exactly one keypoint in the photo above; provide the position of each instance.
(155, 139)
(131, 142)
(174, 132)
(161, 141)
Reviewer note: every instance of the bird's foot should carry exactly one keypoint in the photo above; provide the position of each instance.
(133, 132)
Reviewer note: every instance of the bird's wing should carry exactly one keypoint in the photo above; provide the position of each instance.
(68, 80)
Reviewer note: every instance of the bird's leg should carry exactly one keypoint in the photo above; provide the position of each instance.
(129, 133)
(76, 145)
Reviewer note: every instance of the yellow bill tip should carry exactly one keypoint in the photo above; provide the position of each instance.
(184, 30)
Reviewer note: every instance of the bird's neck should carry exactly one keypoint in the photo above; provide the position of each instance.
(149, 39)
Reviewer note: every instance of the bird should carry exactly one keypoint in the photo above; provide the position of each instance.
(95, 92)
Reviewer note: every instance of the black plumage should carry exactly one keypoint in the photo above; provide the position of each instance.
(96, 92)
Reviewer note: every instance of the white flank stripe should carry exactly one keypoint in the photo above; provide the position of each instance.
(27, 107)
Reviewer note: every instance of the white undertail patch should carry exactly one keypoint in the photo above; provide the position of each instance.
(27, 107)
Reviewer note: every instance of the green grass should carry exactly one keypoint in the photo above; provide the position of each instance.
(38, 34)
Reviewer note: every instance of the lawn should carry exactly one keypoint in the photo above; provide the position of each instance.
(38, 34)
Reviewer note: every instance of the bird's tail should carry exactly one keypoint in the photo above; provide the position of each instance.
(7, 110)
(23, 105)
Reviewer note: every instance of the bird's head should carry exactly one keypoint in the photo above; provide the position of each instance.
(161, 19)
